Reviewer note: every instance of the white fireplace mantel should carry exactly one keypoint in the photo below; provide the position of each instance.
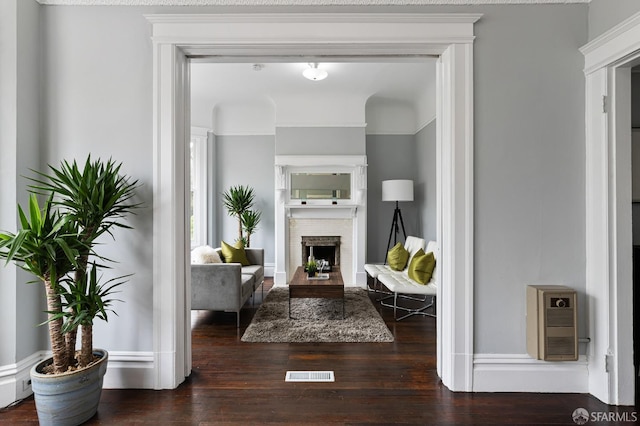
(321, 211)
(354, 209)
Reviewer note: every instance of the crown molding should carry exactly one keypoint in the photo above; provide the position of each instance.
(297, 2)
(619, 41)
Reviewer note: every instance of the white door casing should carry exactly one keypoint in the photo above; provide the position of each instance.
(171, 336)
(608, 211)
(240, 37)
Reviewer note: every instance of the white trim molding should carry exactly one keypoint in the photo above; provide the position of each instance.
(296, 2)
(454, 215)
(609, 281)
(521, 373)
(327, 34)
(612, 46)
(126, 370)
(130, 370)
(172, 279)
(269, 269)
(232, 36)
(323, 125)
(320, 160)
(199, 173)
(422, 126)
(14, 378)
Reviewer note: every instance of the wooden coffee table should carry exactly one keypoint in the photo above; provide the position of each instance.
(301, 286)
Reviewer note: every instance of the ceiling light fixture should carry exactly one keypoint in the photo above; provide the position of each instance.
(313, 73)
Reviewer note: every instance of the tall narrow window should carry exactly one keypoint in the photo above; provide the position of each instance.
(198, 193)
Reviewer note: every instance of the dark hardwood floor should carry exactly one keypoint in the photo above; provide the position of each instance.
(376, 383)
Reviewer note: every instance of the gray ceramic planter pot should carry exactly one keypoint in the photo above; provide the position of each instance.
(68, 399)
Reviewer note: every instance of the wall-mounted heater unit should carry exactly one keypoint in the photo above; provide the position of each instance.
(552, 333)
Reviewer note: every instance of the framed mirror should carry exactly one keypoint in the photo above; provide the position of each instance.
(320, 186)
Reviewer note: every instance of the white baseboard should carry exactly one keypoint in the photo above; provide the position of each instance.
(361, 279)
(15, 383)
(8, 387)
(521, 373)
(126, 370)
(279, 278)
(130, 370)
(269, 269)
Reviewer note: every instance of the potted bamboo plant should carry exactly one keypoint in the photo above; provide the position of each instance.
(55, 243)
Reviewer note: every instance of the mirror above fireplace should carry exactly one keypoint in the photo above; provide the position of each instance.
(320, 186)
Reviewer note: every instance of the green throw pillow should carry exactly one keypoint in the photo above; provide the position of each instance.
(235, 254)
(397, 257)
(421, 266)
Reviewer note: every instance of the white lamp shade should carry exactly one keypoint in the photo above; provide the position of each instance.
(397, 190)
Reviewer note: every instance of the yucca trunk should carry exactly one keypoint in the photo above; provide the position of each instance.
(71, 336)
(58, 344)
(86, 346)
(86, 351)
(70, 339)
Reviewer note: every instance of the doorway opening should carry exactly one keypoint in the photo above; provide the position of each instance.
(178, 39)
(609, 219)
(242, 104)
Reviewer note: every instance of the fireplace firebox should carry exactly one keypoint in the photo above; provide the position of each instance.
(323, 247)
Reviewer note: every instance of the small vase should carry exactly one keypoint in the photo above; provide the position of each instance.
(311, 274)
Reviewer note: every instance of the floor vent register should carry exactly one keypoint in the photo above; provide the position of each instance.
(309, 376)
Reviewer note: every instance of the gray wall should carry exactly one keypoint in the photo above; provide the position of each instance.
(21, 304)
(30, 298)
(605, 14)
(8, 174)
(389, 157)
(320, 140)
(425, 184)
(98, 100)
(529, 165)
(246, 160)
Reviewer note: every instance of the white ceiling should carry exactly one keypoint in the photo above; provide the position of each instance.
(224, 82)
(396, 87)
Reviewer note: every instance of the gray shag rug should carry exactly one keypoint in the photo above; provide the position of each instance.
(317, 320)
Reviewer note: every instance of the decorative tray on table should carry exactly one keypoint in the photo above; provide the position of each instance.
(322, 276)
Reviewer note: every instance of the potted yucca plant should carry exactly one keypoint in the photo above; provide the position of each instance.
(238, 201)
(55, 243)
(250, 220)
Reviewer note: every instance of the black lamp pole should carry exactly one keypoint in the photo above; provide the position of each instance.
(397, 215)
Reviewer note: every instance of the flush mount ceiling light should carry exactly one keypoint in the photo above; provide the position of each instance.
(313, 73)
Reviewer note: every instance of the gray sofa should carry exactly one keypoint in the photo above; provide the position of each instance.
(226, 286)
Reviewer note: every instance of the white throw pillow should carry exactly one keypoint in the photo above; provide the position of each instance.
(205, 254)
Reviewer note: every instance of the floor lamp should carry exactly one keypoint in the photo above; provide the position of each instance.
(396, 190)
